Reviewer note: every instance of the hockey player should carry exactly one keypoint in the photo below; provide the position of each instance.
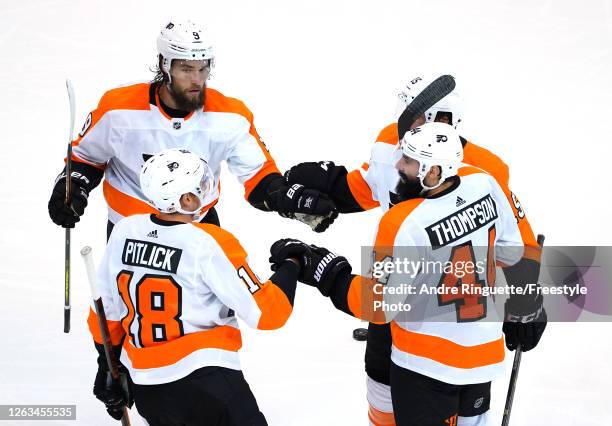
(172, 289)
(440, 369)
(177, 110)
(374, 184)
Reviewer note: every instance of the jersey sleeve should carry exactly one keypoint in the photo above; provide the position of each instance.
(363, 181)
(249, 159)
(227, 273)
(362, 187)
(110, 297)
(93, 144)
(361, 295)
(480, 157)
(509, 242)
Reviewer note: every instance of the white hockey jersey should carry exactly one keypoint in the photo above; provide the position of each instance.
(373, 184)
(171, 290)
(452, 338)
(128, 127)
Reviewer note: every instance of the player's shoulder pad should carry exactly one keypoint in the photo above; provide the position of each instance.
(393, 219)
(218, 102)
(132, 97)
(225, 240)
(388, 135)
(466, 170)
(478, 156)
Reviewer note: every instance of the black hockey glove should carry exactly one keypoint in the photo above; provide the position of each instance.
(306, 205)
(289, 248)
(322, 269)
(115, 394)
(65, 215)
(320, 176)
(524, 322)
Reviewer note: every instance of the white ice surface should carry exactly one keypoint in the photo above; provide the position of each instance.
(320, 77)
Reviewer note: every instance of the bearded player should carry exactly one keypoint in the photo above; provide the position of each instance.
(177, 110)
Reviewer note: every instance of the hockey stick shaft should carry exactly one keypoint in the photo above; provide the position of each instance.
(515, 369)
(431, 95)
(113, 365)
(68, 202)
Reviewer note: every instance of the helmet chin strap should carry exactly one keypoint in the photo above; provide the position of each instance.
(429, 188)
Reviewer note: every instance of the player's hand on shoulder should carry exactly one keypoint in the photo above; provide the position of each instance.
(524, 321)
(61, 213)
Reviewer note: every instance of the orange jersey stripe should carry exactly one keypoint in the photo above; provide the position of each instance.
(228, 243)
(114, 327)
(221, 337)
(80, 160)
(361, 190)
(134, 97)
(380, 418)
(274, 306)
(480, 157)
(446, 352)
(272, 302)
(389, 135)
(126, 205)
(268, 168)
(216, 102)
(361, 295)
(492, 164)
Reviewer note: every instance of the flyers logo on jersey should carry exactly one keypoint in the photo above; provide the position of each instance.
(463, 222)
(152, 256)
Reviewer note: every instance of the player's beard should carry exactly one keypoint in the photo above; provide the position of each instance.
(187, 103)
(408, 187)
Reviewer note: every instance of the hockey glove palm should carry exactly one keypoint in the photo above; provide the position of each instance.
(310, 206)
(67, 215)
(525, 321)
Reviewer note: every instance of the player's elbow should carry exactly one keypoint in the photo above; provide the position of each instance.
(275, 319)
(275, 307)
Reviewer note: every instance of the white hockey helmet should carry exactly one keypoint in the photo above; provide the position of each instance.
(184, 40)
(451, 103)
(169, 174)
(433, 144)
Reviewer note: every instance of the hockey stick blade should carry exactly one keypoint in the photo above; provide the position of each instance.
(432, 94)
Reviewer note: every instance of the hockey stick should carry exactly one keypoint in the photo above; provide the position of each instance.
(113, 366)
(68, 202)
(515, 369)
(432, 94)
